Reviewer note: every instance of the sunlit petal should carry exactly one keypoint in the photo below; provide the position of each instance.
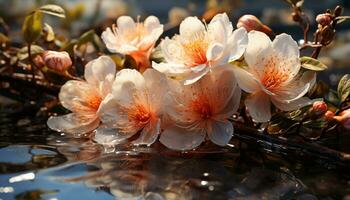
(259, 106)
(221, 132)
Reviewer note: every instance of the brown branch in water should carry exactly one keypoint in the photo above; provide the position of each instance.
(251, 135)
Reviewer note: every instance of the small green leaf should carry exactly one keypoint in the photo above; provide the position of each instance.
(312, 64)
(54, 10)
(342, 19)
(32, 27)
(344, 87)
(23, 52)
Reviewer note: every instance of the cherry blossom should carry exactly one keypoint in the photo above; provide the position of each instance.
(134, 39)
(84, 98)
(134, 105)
(273, 75)
(201, 110)
(199, 48)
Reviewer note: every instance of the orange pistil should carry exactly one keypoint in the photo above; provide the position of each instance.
(195, 50)
(139, 115)
(201, 106)
(273, 76)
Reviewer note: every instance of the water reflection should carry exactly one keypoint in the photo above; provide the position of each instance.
(60, 166)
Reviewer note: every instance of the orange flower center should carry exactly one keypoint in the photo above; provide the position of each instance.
(273, 76)
(135, 34)
(201, 106)
(195, 50)
(94, 102)
(139, 114)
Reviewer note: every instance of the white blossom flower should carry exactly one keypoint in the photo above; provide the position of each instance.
(84, 98)
(199, 48)
(134, 39)
(135, 105)
(273, 75)
(201, 110)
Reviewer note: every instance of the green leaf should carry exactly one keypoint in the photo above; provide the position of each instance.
(312, 64)
(54, 10)
(344, 87)
(32, 27)
(35, 50)
(341, 19)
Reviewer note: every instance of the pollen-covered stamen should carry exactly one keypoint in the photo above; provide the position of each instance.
(133, 34)
(273, 75)
(195, 50)
(94, 102)
(139, 115)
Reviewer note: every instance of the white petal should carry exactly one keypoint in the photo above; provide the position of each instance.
(191, 26)
(231, 106)
(111, 40)
(177, 138)
(287, 51)
(246, 80)
(171, 50)
(171, 69)
(125, 84)
(75, 96)
(217, 32)
(73, 123)
(125, 23)
(293, 105)
(110, 136)
(151, 23)
(100, 73)
(259, 106)
(157, 85)
(237, 44)
(221, 132)
(215, 51)
(149, 134)
(223, 18)
(194, 77)
(259, 47)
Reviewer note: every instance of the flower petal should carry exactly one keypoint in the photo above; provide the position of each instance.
(214, 51)
(177, 138)
(259, 47)
(75, 96)
(194, 77)
(293, 105)
(126, 82)
(110, 136)
(288, 53)
(237, 44)
(149, 134)
(259, 106)
(156, 81)
(73, 123)
(111, 40)
(221, 132)
(125, 23)
(223, 18)
(100, 73)
(246, 80)
(151, 23)
(191, 26)
(171, 69)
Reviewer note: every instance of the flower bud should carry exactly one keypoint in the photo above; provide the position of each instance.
(38, 61)
(329, 115)
(57, 61)
(344, 119)
(324, 19)
(319, 108)
(250, 22)
(338, 11)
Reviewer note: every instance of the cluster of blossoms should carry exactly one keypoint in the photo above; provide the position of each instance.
(190, 97)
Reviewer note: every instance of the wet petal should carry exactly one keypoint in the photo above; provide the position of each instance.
(191, 26)
(73, 123)
(259, 106)
(110, 136)
(231, 106)
(149, 134)
(221, 132)
(177, 138)
(76, 96)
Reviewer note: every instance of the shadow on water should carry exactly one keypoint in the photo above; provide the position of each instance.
(38, 164)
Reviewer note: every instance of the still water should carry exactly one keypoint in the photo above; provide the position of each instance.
(36, 163)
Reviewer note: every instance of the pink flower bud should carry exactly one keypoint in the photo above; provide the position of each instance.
(324, 19)
(344, 119)
(329, 115)
(250, 22)
(57, 61)
(39, 62)
(319, 108)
